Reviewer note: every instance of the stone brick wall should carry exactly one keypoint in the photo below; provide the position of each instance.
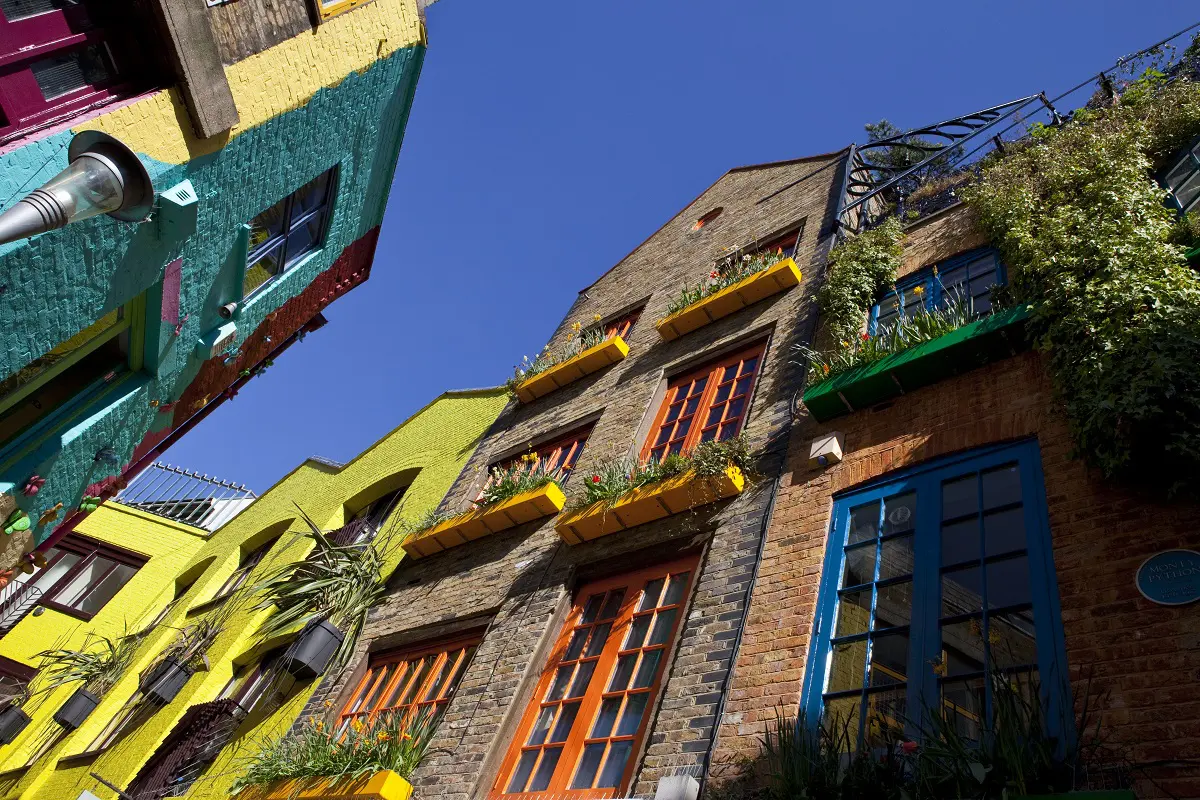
(521, 581)
(1145, 658)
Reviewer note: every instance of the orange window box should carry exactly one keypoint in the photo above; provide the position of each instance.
(648, 504)
(595, 358)
(748, 291)
(541, 502)
(385, 785)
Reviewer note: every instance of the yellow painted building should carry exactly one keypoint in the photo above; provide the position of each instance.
(178, 574)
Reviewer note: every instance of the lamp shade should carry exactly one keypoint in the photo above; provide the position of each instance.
(103, 176)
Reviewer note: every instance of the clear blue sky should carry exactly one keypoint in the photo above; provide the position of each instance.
(549, 138)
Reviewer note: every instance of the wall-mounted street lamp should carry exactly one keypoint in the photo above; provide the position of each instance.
(103, 176)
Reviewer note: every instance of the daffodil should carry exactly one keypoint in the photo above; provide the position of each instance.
(595, 318)
(575, 326)
(382, 736)
(918, 290)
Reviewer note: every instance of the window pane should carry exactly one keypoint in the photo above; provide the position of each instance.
(583, 677)
(960, 497)
(623, 672)
(521, 773)
(841, 718)
(860, 565)
(613, 604)
(1012, 639)
(267, 226)
(541, 728)
(960, 541)
(599, 637)
(637, 631)
(585, 776)
(962, 702)
(614, 765)
(262, 270)
(846, 666)
(854, 612)
(864, 523)
(889, 659)
(606, 718)
(62, 74)
(897, 558)
(1008, 582)
(886, 712)
(894, 605)
(646, 670)
(1001, 486)
(566, 719)
(54, 573)
(591, 609)
(92, 571)
(664, 622)
(545, 770)
(675, 589)
(899, 513)
(312, 195)
(562, 679)
(962, 646)
(106, 589)
(962, 591)
(304, 239)
(651, 594)
(635, 707)
(1004, 531)
(575, 648)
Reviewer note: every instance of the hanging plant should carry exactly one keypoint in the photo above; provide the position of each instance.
(860, 268)
(1086, 235)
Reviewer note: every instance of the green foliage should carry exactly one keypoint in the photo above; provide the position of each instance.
(340, 583)
(860, 267)
(1186, 233)
(724, 274)
(613, 478)
(98, 665)
(389, 742)
(578, 340)
(526, 475)
(194, 641)
(923, 325)
(1086, 236)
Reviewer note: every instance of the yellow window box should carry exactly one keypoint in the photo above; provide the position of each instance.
(648, 504)
(595, 358)
(748, 291)
(541, 502)
(385, 785)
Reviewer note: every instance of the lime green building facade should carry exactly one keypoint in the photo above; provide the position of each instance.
(187, 577)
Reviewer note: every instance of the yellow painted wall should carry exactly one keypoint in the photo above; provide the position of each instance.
(427, 452)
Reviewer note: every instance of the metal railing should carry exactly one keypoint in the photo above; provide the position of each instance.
(17, 599)
(185, 496)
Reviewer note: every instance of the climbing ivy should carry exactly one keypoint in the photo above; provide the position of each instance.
(1087, 238)
(860, 267)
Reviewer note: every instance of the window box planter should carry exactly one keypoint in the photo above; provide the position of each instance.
(165, 680)
(75, 711)
(647, 504)
(312, 651)
(385, 785)
(594, 359)
(989, 339)
(541, 502)
(13, 720)
(748, 291)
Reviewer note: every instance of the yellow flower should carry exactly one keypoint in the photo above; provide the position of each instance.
(570, 336)
(595, 318)
(328, 704)
(575, 326)
(320, 726)
(994, 636)
(845, 343)
(406, 736)
(918, 290)
(357, 725)
(382, 736)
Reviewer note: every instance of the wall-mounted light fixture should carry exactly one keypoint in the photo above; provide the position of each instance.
(102, 176)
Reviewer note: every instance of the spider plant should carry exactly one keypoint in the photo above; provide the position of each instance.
(339, 583)
(98, 664)
(193, 642)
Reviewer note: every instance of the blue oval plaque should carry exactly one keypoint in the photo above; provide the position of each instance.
(1170, 578)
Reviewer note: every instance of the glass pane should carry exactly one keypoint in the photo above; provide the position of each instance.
(599, 637)
(1008, 582)
(962, 591)
(960, 542)
(622, 674)
(651, 594)
(1013, 639)
(62, 74)
(886, 712)
(646, 670)
(675, 589)
(305, 239)
(962, 647)
(748, 366)
(261, 271)
(545, 770)
(854, 613)
(562, 678)
(578, 640)
(899, 513)
(841, 719)
(606, 718)
(889, 659)
(663, 623)
(542, 726)
(14, 10)
(897, 558)
(54, 573)
(613, 604)
(566, 718)
(267, 225)
(960, 497)
(637, 632)
(714, 416)
(864, 523)
(635, 706)
(614, 765)
(962, 703)
(74, 591)
(521, 773)
(846, 666)
(591, 609)
(722, 395)
(735, 408)
(583, 677)
(312, 195)
(586, 774)
(1004, 531)
(860, 565)
(893, 606)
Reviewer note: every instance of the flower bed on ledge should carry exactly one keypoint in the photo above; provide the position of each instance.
(989, 339)
(774, 279)
(594, 358)
(385, 785)
(525, 507)
(648, 503)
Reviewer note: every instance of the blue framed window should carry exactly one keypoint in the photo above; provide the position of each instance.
(932, 579)
(1182, 179)
(289, 230)
(971, 275)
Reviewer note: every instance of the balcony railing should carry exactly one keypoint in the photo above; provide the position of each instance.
(185, 496)
(16, 600)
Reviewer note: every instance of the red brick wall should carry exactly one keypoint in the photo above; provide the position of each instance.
(1144, 656)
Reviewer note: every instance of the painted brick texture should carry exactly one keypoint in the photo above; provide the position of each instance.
(1144, 657)
(521, 581)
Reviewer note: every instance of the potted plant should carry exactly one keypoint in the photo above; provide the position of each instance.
(327, 594)
(180, 660)
(97, 666)
(368, 759)
(13, 718)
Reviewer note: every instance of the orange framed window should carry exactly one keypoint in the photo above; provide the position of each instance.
(580, 736)
(555, 456)
(621, 326)
(410, 681)
(707, 403)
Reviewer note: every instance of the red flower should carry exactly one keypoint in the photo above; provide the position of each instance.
(865, 336)
(595, 479)
(714, 274)
(908, 748)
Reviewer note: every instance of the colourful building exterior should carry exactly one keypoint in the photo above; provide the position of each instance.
(270, 135)
(189, 573)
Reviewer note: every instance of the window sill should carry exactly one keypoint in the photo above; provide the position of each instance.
(385, 785)
(76, 759)
(208, 605)
(748, 291)
(981, 342)
(541, 502)
(588, 361)
(70, 612)
(647, 504)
